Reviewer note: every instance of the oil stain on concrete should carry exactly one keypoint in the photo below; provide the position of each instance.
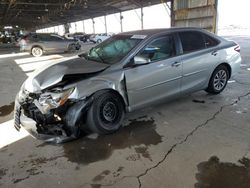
(6, 109)
(101, 176)
(216, 174)
(32, 167)
(3, 172)
(138, 132)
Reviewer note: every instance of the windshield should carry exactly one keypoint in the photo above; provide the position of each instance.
(113, 49)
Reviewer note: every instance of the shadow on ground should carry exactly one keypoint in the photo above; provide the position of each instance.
(216, 174)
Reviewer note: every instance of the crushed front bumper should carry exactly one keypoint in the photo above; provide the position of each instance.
(20, 120)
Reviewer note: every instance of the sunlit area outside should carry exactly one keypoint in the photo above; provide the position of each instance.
(233, 18)
(131, 20)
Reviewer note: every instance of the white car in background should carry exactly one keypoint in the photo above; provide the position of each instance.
(98, 38)
(69, 36)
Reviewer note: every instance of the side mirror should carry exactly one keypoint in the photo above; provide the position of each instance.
(140, 60)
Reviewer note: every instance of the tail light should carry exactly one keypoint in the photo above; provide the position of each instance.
(237, 48)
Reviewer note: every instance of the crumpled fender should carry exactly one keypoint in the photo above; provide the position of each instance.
(87, 88)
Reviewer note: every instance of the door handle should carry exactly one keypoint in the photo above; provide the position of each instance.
(176, 64)
(214, 53)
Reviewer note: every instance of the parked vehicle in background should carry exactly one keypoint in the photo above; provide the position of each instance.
(69, 36)
(98, 38)
(84, 38)
(129, 71)
(38, 44)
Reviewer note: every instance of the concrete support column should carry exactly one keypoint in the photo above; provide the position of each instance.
(93, 21)
(105, 24)
(66, 28)
(121, 18)
(198, 13)
(75, 28)
(83, 26)
(172, 16)
(142, 16)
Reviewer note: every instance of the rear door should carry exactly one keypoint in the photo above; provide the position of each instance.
(45, 42)
(158, 79)
(197, 59)
(58, 44)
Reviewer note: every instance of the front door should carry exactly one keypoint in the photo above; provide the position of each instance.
(158, 79)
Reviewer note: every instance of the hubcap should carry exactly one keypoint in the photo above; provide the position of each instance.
(109, 111)
(37, 51)
(220, 80)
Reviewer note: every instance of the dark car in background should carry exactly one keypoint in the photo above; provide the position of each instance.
(38, 44)
(84, 38)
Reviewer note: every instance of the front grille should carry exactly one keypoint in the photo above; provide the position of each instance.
(17, 117)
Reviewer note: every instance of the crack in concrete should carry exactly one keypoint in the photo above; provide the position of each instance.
(189, 135)
(173, 147)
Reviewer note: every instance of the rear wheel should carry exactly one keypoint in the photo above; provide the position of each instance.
(218, 80)
(99, 41)
(37, 51)
(106, 114)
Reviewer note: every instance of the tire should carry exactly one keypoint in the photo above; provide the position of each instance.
(37, 51)
(71, 47)
(99, 41)
(218, 80)
(78, 47)
(106, 113)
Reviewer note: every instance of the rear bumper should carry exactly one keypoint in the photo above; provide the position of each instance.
(235, 66)
(22, 121)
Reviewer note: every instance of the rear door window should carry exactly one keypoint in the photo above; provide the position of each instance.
(44, 37)
(192, 41)
(55, 38)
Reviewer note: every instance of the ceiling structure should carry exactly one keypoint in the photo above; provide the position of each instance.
(33, 14)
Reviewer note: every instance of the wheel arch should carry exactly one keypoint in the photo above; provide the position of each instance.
(227, 66)
(36, 45)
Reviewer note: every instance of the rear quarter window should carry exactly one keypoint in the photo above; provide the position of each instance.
(210, 42)
(44, 37)
(192, 41)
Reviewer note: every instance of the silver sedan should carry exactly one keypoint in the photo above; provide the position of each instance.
(126, 72)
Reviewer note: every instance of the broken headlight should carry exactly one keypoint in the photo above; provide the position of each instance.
(23, 94)
(51, 100)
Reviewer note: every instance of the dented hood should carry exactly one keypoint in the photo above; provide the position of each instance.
(55, 72)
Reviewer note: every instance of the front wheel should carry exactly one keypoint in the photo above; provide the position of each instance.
(106, 114)
(37, 51)
(218, 80)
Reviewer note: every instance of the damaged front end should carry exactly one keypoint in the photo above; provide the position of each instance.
(51, 115)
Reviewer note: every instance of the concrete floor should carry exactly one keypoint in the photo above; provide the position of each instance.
(197, 141)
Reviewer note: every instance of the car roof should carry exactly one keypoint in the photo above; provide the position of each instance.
(150, 32)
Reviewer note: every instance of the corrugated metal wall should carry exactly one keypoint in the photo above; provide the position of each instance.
(196, 13)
